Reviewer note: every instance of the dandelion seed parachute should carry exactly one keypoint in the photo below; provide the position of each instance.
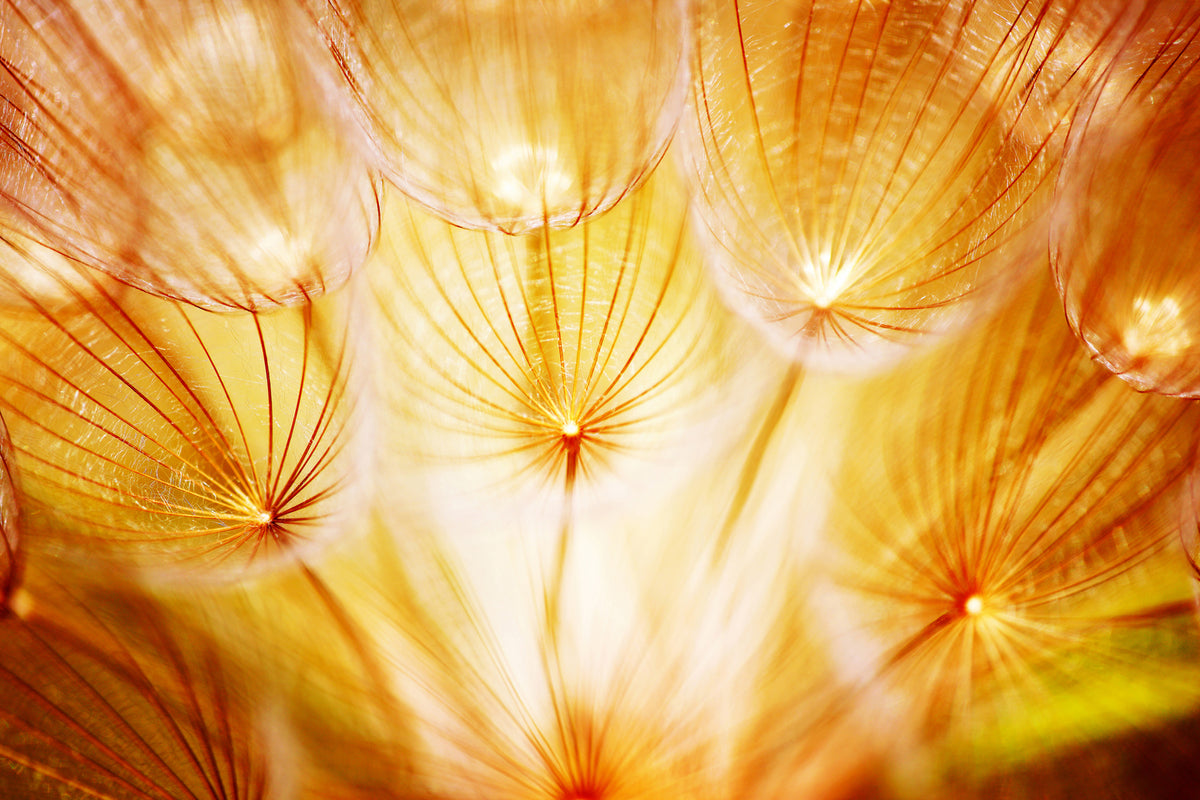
(103, 699)
(870, 175)
(1124, 238)
(519, 690)
(302, 632)
(181, 148)
(512, 115)
(159, 437)
(638, 665)
(517, 367)
(1060, 48)
(1014, 577)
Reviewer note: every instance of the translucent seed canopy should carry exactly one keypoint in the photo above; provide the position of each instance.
(1058, 50)
(511, 115)
(1126, 234)
(868, 174)
(160, 437)
(519, 692)
(1016, 561)
(114, 705)
(182, 149)
(561, 359)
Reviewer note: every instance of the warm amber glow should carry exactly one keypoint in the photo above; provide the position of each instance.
(213, 445)
(845, 237)
(1126, 268)
(994, 534)
(508, 116)
(194, 161)
(599, 399)
(564, 361)
(1157, 329)
(147, 697)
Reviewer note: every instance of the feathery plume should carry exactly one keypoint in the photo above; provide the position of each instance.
(165, 438)
(179, 147)
(558, 363)
(1013, 555)
(534, 677)
(104, 701)
(1124, 239)
(870, 174)
(512, 115)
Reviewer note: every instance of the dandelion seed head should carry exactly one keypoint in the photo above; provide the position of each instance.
(984, 534)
